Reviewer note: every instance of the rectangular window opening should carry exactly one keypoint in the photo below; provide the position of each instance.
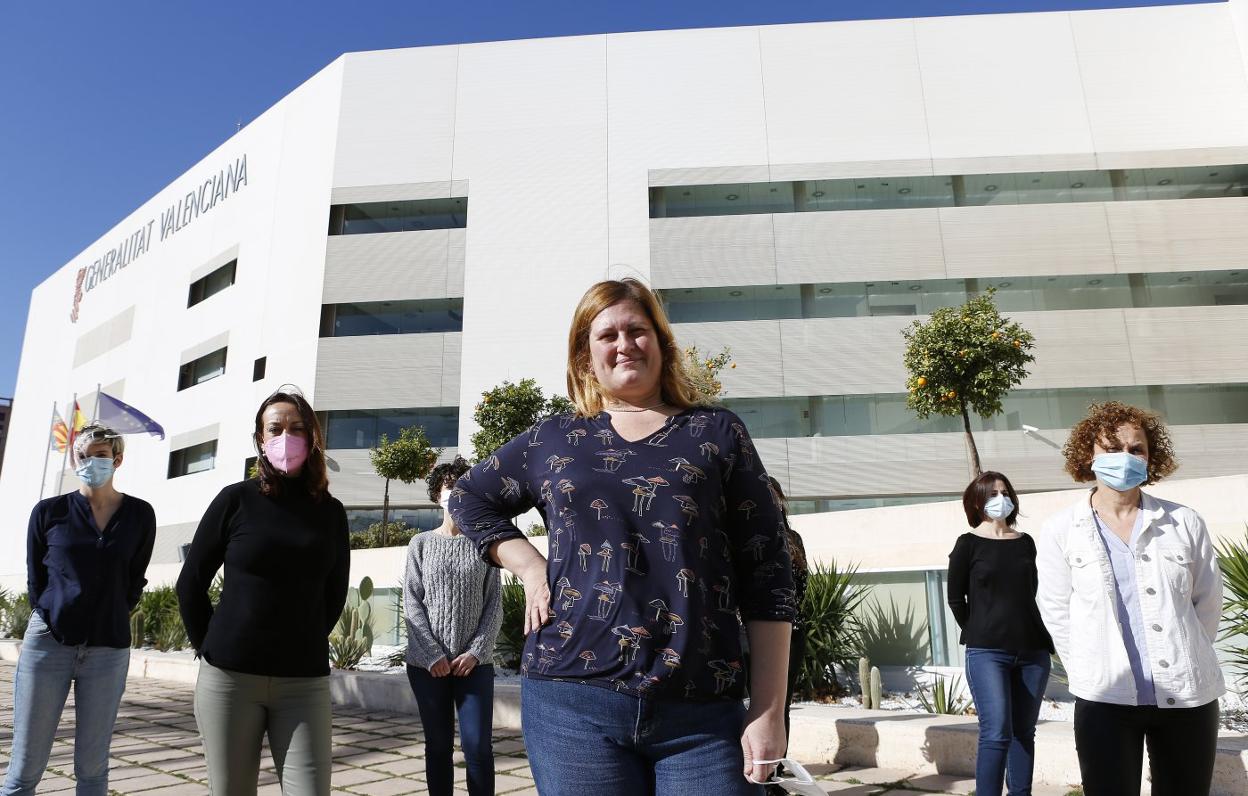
(198, 371)
(212, 284)
(195, 459)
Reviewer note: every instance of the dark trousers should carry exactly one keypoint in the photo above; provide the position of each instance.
(438, 699)
(1110, 739)
(1008, 688)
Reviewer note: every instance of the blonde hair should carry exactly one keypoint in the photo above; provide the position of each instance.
(586, 393)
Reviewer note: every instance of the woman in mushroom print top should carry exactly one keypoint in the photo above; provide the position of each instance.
(662, 528)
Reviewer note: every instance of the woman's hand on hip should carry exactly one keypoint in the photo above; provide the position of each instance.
(762, 739)
(536, 596)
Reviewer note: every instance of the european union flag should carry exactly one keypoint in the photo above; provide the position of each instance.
(125, 419)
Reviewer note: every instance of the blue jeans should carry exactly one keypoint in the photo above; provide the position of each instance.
(1008, 688)
(438, 699)
(45, 671)
(584, 739)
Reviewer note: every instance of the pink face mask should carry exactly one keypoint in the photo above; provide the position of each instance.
(287, 452)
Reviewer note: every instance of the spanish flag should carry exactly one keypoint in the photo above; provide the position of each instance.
(61, 435)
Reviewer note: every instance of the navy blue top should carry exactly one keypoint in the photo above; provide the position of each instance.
(655, 546)
(84, 581)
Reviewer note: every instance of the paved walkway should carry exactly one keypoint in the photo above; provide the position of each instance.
(156, 752)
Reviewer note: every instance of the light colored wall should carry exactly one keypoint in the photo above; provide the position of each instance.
(559, 140)
(921, 536)
(277, 221)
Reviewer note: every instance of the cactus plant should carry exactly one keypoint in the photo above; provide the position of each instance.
(864, 680)
(352, 638)
(875, 688)
(137, 638)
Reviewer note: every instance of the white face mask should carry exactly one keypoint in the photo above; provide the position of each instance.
(999, 507)
(800, 782)
(444, 498)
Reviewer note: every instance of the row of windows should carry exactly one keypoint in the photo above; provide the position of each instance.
(398, 216)
(356, 428)
(973, 190)
(392, 317)
(819, 505)
(886, 413)
(921, 297)
(361, 428)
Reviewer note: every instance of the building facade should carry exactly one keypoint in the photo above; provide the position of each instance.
(411, 227)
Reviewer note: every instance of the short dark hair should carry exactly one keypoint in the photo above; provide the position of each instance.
(444, 475)
(979, 492)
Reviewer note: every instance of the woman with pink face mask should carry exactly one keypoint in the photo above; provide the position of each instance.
(263, 665)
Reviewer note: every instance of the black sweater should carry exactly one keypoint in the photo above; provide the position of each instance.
(992, 591)
(286, 564)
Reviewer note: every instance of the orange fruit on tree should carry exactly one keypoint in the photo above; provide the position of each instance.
(921, 381)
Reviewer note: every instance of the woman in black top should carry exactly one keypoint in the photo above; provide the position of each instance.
(264, 662)
(86, 554)
(992, 591)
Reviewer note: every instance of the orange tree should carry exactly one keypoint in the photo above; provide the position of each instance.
(508, 410)
(965, 359)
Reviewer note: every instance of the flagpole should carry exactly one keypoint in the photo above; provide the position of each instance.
(69, 442)
(95, 416)
(47, 453)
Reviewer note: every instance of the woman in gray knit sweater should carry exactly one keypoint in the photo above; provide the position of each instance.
(453, 612)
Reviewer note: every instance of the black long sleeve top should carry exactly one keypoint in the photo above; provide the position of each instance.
(992, 592)
(286, 560)
(655, 545)
(84, 580)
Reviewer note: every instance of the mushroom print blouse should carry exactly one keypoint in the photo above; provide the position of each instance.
(659, 548)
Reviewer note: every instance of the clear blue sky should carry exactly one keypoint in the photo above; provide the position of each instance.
(103, 104)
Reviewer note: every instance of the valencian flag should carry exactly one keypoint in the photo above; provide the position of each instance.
(62, 436)
(125, 419)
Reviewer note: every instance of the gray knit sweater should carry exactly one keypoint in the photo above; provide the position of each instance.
(450, 600)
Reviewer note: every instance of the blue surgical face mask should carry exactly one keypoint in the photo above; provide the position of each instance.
(999, 507)
(1120, 471)
(95, 471)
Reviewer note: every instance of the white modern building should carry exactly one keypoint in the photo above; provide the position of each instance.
(411, 227)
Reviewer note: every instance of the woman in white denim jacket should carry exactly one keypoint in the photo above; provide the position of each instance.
(1130, 590)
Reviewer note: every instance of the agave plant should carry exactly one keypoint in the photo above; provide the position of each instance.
(945, 696)
(1233, 558)
(829, 612)
(510, 645)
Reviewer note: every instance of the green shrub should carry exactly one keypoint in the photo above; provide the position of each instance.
(162, 626)
(510, 645)
(945, 697)
(833, 630)
(397, 534)
(15, 615)
(1233, 558)
(537, 529)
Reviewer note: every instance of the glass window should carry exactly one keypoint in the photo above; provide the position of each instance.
(198, 371)
(258, 368)
(392, 317)
(399, 216)
(361, 428)
(195, 459)
(887, 413)
(922, 297)
(426, 519)
(894, 193)
(212, 284)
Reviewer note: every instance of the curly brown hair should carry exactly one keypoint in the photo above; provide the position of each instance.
(1102, 423)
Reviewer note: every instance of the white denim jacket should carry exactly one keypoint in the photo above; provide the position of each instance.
(1180, 592)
